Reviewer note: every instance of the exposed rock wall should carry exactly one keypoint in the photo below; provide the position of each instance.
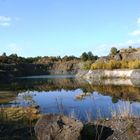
(131, 56)
(128, 54)
(19, 70)
(118, 73)
(111, 77)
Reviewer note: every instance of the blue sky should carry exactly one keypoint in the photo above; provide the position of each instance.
(68, 27)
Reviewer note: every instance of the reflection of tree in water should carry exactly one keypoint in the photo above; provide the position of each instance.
(6, 97)
(117, 92)
(114, 100)
(47, 84)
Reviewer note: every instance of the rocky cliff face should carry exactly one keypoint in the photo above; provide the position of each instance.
(63, 68)
(18, 70)
(118, 73)
(112, 77)
(128, 54)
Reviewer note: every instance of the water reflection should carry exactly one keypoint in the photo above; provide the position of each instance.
(71, 96)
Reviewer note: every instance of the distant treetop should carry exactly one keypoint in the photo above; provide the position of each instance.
(113, 51)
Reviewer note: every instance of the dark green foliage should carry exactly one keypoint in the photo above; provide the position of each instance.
(4, 54)
(87, 65)
(15, 59)
(69, 58)
(113, 51)
(84, 56)
(88, 56)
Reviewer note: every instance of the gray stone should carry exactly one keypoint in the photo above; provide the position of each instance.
(127, 129)
(58, 127)
(118, 57)
(131, 56)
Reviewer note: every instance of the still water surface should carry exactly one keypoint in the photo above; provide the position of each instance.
(70, 96)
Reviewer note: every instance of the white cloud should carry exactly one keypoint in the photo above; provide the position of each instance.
(14, 48)
(135, 33)
(104, 49)
(133, 43)
(4, 24)
(7, 21)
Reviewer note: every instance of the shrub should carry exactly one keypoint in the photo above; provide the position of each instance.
(124, 64)
(87, 65)
(134, 64)
(113, 64)
(113, 51)
(84, 56)
(88, 56)
(98, 65)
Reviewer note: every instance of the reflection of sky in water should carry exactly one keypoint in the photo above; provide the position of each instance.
(95, 105)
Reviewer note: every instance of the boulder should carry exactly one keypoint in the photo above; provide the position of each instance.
(125, 129)
(131, 56)
(118, 57)
(58, 127)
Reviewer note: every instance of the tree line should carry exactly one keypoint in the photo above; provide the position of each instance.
(14, 58)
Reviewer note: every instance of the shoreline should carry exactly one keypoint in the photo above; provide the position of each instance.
(111, 77)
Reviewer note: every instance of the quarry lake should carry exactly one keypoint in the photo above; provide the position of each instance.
(65, 94)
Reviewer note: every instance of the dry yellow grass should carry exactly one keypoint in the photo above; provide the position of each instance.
(113, 64)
